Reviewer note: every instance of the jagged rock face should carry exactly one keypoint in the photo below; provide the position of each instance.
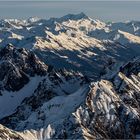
(112, 107)
(6, 133)
(16, 65)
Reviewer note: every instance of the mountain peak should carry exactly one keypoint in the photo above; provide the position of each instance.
(74, 17)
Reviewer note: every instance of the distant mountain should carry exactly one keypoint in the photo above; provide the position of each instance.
(69, 78)
(74, 41)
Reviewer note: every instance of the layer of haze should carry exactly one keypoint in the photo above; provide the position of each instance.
(103, 10)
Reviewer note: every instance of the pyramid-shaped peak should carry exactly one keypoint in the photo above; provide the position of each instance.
(73, 17)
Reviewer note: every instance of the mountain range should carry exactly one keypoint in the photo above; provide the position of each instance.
(69, 78)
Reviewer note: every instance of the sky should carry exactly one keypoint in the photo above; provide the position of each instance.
(70, 0)
(102, 10)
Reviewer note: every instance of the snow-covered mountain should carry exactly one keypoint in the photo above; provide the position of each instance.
(108, 108)
(69, 78)
(75, 41)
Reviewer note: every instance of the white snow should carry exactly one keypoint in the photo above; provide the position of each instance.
(62, 105)
(9, 101)
(54, 111)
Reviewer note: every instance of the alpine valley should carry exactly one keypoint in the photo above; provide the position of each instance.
(69, 78)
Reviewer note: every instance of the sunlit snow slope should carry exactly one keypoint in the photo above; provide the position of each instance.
(74, 41)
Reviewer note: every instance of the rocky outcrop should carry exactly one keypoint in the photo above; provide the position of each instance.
(6, 133)
(16, 66)
(112, 108)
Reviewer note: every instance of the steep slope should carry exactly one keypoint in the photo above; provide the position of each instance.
(6, 133)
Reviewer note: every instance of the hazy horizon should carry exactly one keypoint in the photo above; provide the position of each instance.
(102, 10)
(70, 0)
